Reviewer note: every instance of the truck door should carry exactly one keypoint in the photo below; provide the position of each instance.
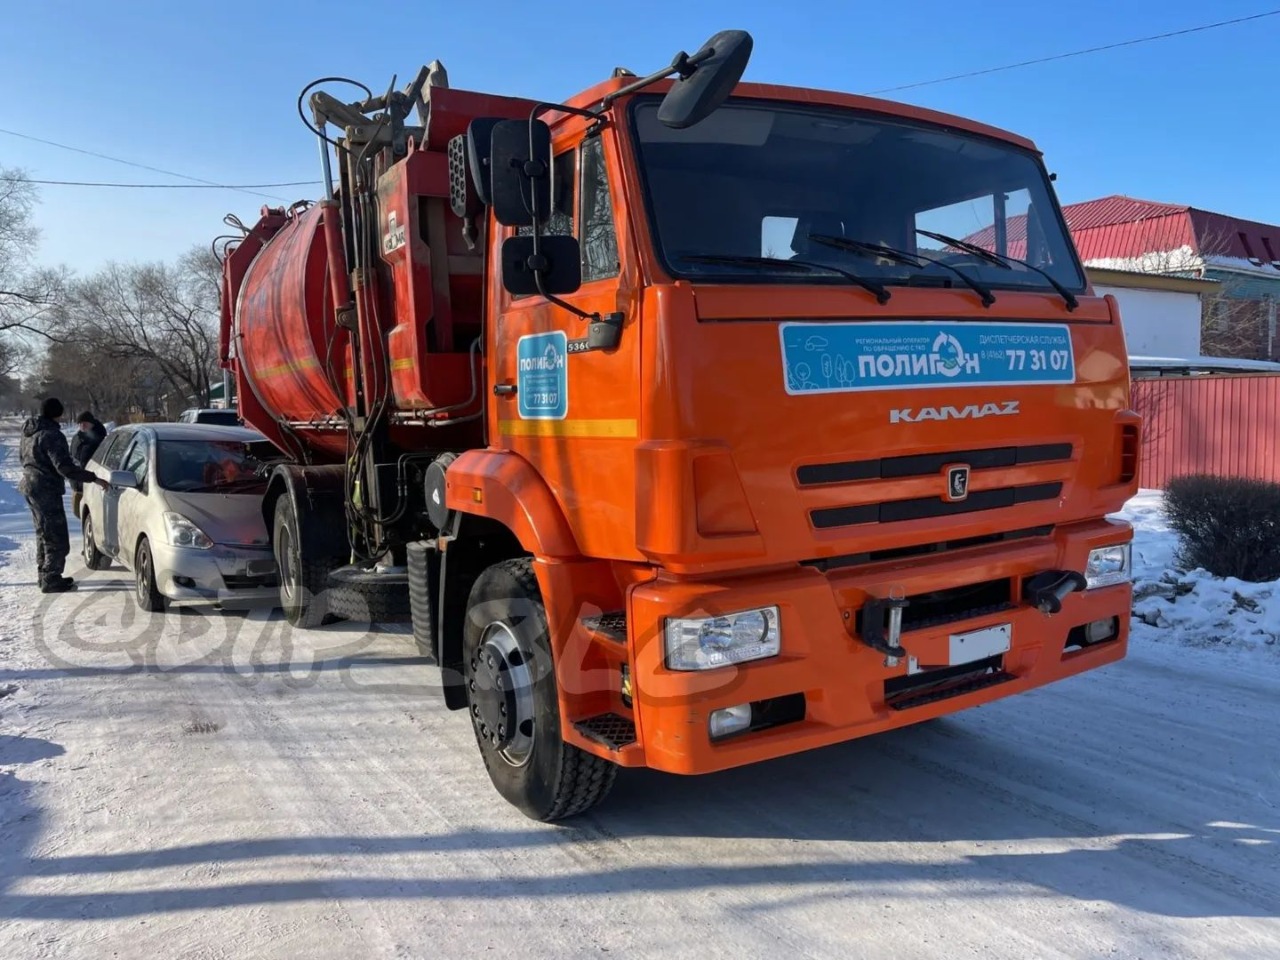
(574, 413)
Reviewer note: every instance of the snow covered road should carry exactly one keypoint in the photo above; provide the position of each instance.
(206, 785)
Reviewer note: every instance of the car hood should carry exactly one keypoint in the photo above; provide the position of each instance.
(225, 518)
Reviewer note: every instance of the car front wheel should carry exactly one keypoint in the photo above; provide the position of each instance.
(145, 591)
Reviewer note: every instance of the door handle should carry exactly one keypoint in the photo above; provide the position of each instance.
(504, 389)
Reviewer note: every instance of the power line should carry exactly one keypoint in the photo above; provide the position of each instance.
(140, 166)
(162, 186)
(1080, 53)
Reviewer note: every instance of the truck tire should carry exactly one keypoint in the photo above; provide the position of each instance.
(303, 580)
(515, 710)
(368, 597)
(420, 557)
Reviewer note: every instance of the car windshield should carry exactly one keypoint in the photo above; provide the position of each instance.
(788, 181)
(208, 466)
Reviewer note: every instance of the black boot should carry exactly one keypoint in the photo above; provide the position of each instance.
(58, 585)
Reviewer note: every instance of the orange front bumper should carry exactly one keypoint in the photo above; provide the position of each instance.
(841, 679)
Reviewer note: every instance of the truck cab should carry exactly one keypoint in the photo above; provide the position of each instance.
(861, 379)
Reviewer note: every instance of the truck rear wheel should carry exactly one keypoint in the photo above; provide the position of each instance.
(302, 580)
(511, 695)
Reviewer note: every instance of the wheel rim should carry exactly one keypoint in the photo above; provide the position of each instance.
(144, 574)
(501, 686)
(88, 540)
(284, 561)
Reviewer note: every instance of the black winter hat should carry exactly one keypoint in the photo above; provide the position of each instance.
(85, 417)
(51, 408)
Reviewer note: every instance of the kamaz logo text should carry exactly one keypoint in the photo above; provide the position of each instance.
(972, 411)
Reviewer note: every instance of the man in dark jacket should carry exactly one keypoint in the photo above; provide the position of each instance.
(45, 462)
(83, 446)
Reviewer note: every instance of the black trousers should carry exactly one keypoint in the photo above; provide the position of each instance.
(52, 540)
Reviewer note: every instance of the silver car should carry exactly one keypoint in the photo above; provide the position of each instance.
(183, 512)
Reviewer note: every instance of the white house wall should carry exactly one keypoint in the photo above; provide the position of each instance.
(1160, 323)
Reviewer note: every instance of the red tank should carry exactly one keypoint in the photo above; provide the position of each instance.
(291, 356)
(419, 361)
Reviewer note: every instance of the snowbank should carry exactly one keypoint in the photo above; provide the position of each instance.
(1192, 607)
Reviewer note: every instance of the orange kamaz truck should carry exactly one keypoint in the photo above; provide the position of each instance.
(690, 422)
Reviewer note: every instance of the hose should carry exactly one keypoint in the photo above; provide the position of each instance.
(311, 86)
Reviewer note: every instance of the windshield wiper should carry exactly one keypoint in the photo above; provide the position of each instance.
(1002, 260)
(880, 291)
(916, 260)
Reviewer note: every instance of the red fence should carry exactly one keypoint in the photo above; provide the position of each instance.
(1222, 425)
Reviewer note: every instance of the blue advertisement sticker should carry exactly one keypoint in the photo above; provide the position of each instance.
(542, 380)
(908, 355)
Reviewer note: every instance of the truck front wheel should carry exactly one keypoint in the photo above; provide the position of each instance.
(511, 695)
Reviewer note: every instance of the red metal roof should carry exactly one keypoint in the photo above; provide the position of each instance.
(1123, 228)
(1115, 209)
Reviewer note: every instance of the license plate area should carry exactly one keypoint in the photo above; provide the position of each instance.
(979, 644)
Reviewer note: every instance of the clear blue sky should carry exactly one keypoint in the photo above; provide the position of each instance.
(209, 89)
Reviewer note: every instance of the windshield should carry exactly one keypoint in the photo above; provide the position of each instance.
(208, 466)
(759, 179)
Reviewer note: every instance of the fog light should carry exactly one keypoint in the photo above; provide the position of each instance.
(183, 581)
(1101, 630)
(730, 720)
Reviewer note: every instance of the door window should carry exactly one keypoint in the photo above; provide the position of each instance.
(596, 231)
(136, 460)
(114, 450)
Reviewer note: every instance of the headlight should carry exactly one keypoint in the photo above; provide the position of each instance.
(183, 533)
(704, 643)
(1108, 566)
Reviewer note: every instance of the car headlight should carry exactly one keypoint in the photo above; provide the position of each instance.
(1108, 566)
(704, 643)
(183, 533)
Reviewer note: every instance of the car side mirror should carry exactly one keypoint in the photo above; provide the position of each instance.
(124, 479)
(518, 176)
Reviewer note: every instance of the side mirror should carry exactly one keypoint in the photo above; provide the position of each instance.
(124, 479)
(478, 142)
(713, 73)
(516, 177)
(558, 261)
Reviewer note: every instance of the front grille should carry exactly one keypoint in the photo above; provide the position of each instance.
(235, 582)
(954, 604)
(893, 511)
(928, 464)
(925, 549)
(916, 690)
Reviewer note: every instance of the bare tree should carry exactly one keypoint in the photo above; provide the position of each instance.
(14, 355)
(27, 293)
(85, 377)
(163, 316)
